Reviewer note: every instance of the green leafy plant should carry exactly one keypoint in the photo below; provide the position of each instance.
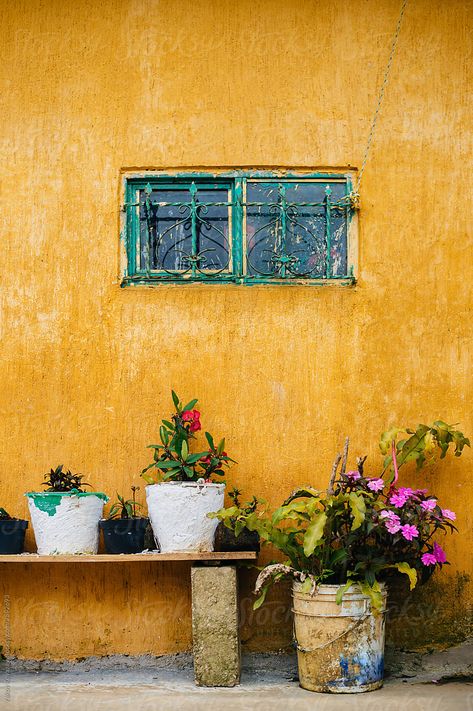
(125, 508)
(235, 517)
(420, 445)
(4, 515)
(173, 458)
(358, 530)
(62, 481)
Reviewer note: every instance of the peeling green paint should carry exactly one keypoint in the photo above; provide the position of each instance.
(48, 501)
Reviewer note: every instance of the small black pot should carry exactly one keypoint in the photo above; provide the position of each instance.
(12, 535)
(226, 541)
(124, 535)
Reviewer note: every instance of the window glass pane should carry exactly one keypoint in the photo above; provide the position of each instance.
(166, 242)
(286, 237)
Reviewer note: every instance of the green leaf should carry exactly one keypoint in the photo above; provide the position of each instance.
(184, 450)
(374, 593)
(163, 433)
(221, 446)
(189, 405)
(407, 570)
(169, 425)
(193, 458)
(168, 464)
(305, 492)
(148, 479)
(239, 526)
(387, 439)
(261, 598)
(210, 440)
(306, 586)
(358, 510)
(341, 592)
(314, 533)
(175, 400)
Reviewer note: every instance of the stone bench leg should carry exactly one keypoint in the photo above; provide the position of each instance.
(215, 633)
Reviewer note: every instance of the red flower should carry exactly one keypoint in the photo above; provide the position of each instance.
(192, 416)
(206, 459)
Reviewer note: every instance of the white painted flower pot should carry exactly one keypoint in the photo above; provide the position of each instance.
(66, 523)
(178, 514)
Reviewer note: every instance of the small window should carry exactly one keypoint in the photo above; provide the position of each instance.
(237, 228)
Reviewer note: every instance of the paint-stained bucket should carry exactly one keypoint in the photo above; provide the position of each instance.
(178, 514)
(340, 648)
(66, 523)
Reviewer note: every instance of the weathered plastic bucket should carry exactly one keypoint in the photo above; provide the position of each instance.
(340, 648)
(66, 523)
(178, 514)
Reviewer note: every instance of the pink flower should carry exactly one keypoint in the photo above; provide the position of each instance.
(392, 521)
(451, 515)
(409, 532)
(375, 484)
(392, 526)
(353, 475)
(428, 559)
(428, 504)
(192, 416)
(420, 492)
(439, 553)
(405, 491)
(398, 500)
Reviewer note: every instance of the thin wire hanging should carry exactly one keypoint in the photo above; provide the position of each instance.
(355, 194)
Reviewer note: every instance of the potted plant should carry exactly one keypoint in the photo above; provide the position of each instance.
(12, 533)
(65, 518)
(183, 493)
(232, 533)
(124, 529)
(340, 546)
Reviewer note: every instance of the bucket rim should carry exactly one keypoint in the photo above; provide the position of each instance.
(325, 589)
(188, 484)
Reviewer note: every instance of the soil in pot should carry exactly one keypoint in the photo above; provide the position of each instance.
(124, 535)
(226, 541)
(12, 536)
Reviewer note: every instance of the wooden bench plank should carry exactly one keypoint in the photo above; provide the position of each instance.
(129, 558)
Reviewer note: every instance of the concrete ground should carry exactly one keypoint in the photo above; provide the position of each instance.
(269, 683)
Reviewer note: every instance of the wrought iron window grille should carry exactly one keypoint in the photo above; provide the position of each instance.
(257, 232)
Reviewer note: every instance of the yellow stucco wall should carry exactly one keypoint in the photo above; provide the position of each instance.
(92, 88)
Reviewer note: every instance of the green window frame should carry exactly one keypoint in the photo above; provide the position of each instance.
(238, 227)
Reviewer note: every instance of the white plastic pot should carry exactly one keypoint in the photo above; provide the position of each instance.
(340, 648)
(66, 523)
(178, 514)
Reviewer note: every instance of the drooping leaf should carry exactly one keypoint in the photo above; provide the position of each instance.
(374, 593)
(358, 509)
(262, 597)
(341, 592)
(314, 533)
(407, 570)
(306, 586)
(189, 405)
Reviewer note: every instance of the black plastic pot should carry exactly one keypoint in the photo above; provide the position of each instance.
(226, 541)
(12, 536)
(124, 535)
